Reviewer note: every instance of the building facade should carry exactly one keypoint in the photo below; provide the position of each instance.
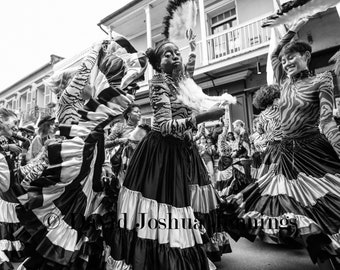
(232, 51)
(28, 97)
(232, 47)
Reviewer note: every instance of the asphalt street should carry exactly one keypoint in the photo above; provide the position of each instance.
(257, 255)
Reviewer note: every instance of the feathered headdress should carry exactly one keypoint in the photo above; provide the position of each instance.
(293, 10)
(179, 24)
(181, 18)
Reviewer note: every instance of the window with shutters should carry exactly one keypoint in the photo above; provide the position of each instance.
(220, 20)
(29, 100)
(47, 97)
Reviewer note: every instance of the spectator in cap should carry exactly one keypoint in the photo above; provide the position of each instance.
(28, 132)
(45, 132)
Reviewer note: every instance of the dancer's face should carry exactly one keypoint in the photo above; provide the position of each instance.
(295, 62)
(170, 58)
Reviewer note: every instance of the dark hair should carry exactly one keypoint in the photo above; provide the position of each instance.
(231, 133)
(146, 127)
(129, 110)
(154, 55)
(5, 114)
(295, 46)
(266, 95)
(44, 128)
(208, 137)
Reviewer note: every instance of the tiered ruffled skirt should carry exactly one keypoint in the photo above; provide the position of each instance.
(297, 197)
(167, 208)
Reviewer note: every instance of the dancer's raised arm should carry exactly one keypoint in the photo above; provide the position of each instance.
(279, 72)
(327, 123)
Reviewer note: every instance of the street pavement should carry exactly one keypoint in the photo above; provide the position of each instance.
(257, 255)
(261, 256)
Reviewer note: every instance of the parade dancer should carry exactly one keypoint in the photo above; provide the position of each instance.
(119, 137)
(300, 194)
(267, 99)
(62, 211)
(11, 249)
(166, 181)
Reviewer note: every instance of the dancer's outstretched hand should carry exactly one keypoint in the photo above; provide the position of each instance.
(192, 39)
(296, 26)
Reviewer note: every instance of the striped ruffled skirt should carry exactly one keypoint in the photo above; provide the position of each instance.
(167, 210)
(296, 198)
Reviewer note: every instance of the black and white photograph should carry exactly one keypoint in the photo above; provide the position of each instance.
(170, 135)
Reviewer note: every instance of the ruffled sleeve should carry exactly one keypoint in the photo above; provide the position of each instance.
(161, 105)
(70, 99)
(327, 123)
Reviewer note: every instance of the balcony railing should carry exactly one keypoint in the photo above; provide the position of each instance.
(229, 43)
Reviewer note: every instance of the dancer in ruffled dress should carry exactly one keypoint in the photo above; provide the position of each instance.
(62, 210)
(269, 120)
(167, 185)
(11, 249)
(300, 193)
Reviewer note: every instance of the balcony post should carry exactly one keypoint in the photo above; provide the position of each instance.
(34, 94)
(148, 34)
(203, 32)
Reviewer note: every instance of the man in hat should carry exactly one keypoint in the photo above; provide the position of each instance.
(45, 131)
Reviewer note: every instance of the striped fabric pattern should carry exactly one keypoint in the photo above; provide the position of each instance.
(171, 117)
(70, 100)
(109, 70)
(10, 247)
(300, 174)
(270, 121)
(56, 208)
